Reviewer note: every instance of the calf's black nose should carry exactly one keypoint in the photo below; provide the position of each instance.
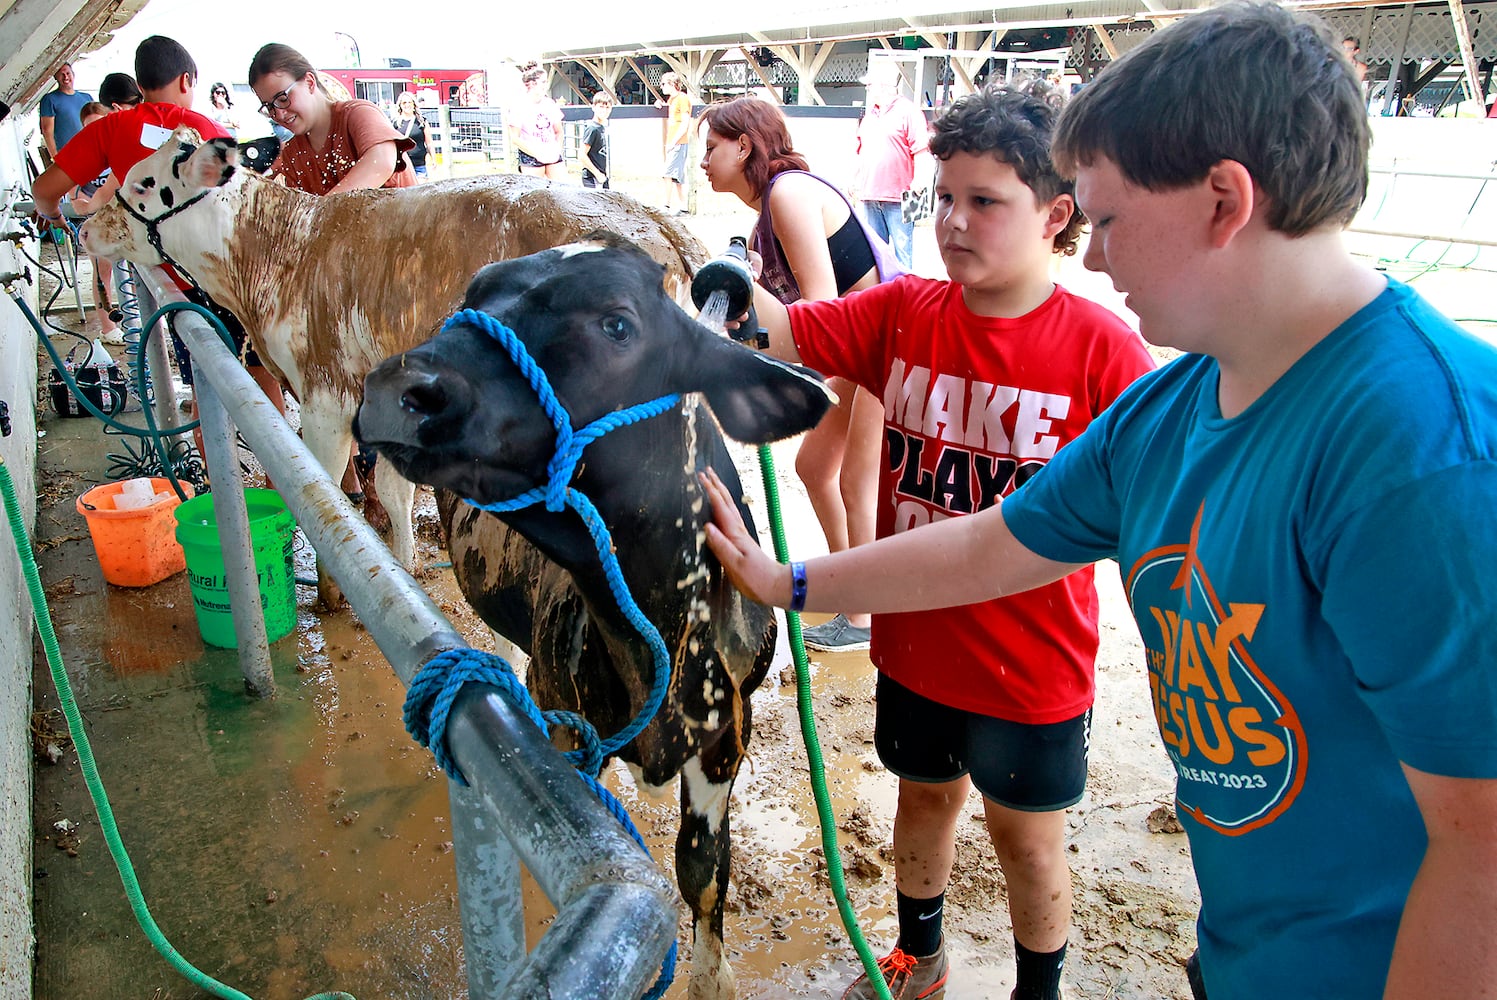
(400, 400)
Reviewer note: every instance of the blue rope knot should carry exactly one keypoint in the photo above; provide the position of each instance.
(429, 699)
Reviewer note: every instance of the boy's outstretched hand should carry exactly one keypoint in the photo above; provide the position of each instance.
(749, 567)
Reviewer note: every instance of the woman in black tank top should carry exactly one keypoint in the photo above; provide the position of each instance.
(813, 247)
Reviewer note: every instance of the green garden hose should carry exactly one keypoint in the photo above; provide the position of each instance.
(824, 812)
(90, 770)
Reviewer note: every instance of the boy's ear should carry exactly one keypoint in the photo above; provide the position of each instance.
(1061, 211)
(1234, 197)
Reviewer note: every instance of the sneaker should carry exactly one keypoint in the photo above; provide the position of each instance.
(837, 636)
(908, 977)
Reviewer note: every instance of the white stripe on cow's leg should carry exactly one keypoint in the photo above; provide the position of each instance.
(518, 660)
(398, 495)
(711, 973)
(327, 430)
(652, 791)
(702, 858)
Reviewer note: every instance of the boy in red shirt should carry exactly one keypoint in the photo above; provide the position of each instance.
(167, 76)
(982, 378)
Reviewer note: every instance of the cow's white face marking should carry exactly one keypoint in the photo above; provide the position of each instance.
(573, 249)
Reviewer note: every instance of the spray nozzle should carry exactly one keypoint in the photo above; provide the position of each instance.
(729, 274)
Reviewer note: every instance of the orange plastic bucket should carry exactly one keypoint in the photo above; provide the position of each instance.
(139, 547)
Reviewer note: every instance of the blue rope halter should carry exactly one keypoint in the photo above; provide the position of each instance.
(436, 685)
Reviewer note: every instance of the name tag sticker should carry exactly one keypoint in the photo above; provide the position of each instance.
(154, 136)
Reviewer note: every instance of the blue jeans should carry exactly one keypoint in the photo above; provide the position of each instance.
(887, 222)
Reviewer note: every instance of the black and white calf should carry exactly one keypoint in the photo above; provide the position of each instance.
(457, 413)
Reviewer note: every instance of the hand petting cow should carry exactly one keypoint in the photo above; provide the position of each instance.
(458, 413)
(327, 287)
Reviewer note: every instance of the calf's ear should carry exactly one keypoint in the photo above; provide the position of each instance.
(758, 399)
(210, 165)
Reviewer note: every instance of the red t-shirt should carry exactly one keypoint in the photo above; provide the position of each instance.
(120, 140)
(973, 406)
(357, 126)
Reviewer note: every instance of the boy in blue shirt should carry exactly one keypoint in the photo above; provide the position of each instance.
(1304, 508)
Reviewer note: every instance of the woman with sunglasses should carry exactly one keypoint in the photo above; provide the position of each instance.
(335, 145)
(223, 109)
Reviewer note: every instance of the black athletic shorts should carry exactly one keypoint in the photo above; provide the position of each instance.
(526, 160)
(1034, 768)
(236, 330)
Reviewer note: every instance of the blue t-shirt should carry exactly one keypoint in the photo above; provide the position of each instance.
(64, 110)
(1310, 579)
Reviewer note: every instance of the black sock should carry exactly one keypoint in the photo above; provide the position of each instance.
(1039, 973)
(919, 924)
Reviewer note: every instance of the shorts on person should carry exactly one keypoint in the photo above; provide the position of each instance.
(1023, 766)
(526, 160)
(675, 163)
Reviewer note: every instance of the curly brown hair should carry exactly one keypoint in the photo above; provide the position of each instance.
(1014, 128)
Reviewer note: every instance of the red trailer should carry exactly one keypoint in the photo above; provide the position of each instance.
(464, 88)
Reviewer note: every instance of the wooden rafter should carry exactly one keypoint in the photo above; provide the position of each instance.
(1468, 54)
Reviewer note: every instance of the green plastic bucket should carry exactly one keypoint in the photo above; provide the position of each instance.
(270, 526)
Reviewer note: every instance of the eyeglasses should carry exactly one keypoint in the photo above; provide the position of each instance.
(278, 102)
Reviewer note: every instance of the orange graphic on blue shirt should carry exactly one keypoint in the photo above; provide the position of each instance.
(1237, 744)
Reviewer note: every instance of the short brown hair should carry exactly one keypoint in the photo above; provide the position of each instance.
(770, 150)
(1247, 81)
(531, 72)
(603, 97)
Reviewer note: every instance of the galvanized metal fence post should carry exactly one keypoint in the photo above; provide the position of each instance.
(488, 883)
(232, 518)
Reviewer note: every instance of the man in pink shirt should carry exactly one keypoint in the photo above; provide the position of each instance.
(892, 137)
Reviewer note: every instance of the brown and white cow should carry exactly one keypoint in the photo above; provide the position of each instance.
(457, 412)
(328, 287)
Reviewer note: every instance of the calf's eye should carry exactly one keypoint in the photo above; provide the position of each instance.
(618, 327)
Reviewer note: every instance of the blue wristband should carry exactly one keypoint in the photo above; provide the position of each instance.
(797, 586)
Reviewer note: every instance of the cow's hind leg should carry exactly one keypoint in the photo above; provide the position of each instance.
(702, 861)
(396, 495)
(326, 427)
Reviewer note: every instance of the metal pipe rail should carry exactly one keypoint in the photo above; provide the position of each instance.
(1394, 172)
(616, 912)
